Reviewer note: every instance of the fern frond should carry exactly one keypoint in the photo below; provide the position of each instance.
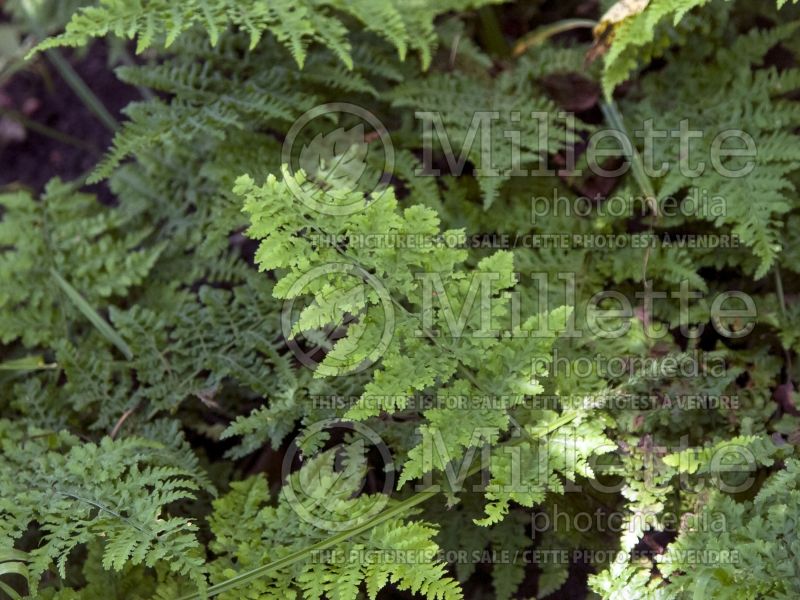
(296, 25)
(400, 551)
(114, 492)
(643, 35)
(102, 252)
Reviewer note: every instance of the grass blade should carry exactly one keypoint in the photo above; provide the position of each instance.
(83, 91)
(26, 363)
(397, 510)
(94, 317)
(614, 119)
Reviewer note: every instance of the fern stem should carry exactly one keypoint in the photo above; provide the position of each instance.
(782, 301)
(27, 363)
(614, 119)
(779, 290)
(104, 509)
(395, 511)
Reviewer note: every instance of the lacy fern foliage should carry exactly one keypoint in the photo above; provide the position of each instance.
(236, 376)
(296, 25)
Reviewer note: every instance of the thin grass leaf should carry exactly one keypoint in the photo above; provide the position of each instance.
(94, 317)
(11, 592)
(26, 363)
(614, 119)
(398, 509)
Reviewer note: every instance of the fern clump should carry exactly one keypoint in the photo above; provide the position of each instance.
(113, 493)
(755, 556)
(398, 550)
(361, 300)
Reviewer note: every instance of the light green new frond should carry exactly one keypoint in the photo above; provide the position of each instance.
(367, 281)
(371, 281)
(744, 451)
(465, 417)
(399, 551)
(444, 325)
(623, 581)
(534, 464)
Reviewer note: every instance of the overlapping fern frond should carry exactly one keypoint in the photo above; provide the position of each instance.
(296, 25)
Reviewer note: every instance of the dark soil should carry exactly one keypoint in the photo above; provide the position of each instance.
(43, 96)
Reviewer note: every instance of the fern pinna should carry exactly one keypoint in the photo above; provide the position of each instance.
(232, 376)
